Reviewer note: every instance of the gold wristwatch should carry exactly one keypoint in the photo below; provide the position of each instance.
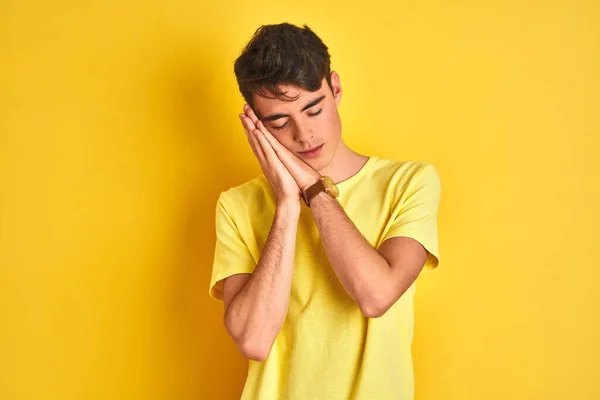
(324, 184)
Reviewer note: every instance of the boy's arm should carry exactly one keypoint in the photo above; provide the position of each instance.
(374, 279)
(255, 310)
(256, 307)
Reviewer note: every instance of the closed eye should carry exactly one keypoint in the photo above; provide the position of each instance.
(280, 127)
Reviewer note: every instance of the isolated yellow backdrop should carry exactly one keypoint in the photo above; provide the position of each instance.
(119, 128)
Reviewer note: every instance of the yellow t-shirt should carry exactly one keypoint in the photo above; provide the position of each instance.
(327, 349)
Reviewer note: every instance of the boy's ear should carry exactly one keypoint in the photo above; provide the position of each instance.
(336, 87)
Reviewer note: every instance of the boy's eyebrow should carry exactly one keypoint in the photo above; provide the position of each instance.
(306, 107)
(313, 103)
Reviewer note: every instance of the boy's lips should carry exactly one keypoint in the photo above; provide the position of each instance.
(312, 152)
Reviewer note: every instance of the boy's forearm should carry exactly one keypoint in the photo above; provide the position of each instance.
(256, 314)
(361, 270)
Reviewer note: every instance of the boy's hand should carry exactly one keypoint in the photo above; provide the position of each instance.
(303, 174)
(282, 183)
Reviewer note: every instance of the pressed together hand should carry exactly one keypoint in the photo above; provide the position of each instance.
(285, 171)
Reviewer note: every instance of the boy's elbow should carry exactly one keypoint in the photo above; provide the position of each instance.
(254, 351)
(250, 346)
(375, 307)
(373, 311)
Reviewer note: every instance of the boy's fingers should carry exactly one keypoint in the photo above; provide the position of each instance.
(247, 121)
(282, 152)
(254, 144)
(268, 151)
(250, 113)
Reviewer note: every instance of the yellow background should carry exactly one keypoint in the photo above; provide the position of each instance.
(118, 130)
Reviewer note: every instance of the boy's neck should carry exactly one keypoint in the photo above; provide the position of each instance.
(345, 164)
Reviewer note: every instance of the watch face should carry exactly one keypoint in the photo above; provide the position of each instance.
(331, 186)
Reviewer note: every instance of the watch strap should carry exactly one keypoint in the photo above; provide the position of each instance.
(314, 190)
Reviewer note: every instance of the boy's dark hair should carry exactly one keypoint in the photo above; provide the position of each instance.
(282, 54)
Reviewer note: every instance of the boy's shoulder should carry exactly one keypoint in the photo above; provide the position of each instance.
(251, 190)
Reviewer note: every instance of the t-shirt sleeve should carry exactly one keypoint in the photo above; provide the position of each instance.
(415, 215)
(231, 253)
